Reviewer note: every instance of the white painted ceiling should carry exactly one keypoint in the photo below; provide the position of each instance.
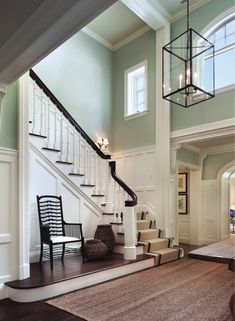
(118, 22)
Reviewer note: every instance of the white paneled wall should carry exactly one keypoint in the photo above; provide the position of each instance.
(209, 220)
(137, 167)
(9, 265)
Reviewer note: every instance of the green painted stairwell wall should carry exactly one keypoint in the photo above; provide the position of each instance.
(140, 131)
(223, 105)
(79, 73)
(9, 118)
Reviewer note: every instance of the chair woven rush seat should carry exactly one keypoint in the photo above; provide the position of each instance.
(54, 230)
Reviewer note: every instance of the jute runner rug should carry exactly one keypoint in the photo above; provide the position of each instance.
(184, 290)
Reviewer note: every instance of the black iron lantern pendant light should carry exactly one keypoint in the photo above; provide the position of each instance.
(188, 72)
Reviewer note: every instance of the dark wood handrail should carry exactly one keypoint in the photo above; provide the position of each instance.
(126, 188)
(41, 84)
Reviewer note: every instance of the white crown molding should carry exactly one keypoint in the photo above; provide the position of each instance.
(183, 12)
(220, 149)
(119, 44)
(132, 37)
(210, 130)
(120, 153)
(191, 148)
(98, 38)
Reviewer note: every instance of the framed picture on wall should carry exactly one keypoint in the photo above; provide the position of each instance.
(182, 183)
(182, 204)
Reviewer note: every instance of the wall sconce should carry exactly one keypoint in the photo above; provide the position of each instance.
(102, 143)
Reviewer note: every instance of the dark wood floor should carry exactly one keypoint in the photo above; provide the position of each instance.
(40, 311)
(70, 268)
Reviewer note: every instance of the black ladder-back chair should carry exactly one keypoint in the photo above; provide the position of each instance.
(53, 229)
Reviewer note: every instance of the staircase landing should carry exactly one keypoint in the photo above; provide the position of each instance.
(71, 275)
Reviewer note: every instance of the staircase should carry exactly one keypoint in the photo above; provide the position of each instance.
(57, 139)
(63, 145)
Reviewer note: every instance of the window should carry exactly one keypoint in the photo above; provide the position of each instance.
(136, 90)
(223, 38)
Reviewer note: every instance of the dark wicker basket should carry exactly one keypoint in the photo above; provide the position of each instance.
(94, 250)
(105, 234)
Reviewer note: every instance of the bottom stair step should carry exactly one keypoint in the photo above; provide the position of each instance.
(167, 255)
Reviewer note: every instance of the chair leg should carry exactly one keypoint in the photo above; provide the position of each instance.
(51, 256)
(41, 253)
(62, 257)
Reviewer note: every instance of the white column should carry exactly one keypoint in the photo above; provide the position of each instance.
(162, 138)
(196, 203)
(129, 223)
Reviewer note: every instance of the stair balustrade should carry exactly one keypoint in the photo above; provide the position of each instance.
(50, 120)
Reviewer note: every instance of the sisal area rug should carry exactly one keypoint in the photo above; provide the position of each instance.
(184, 290)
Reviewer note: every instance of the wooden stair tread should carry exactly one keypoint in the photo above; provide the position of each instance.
(76, 174)
(116, 223)
(97, 195)
(63, 162)
(87, 185)
(51, 149)
(108, 213)
(103, 204)
(37, 135)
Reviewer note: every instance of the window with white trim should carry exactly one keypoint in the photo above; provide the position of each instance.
(223, 37)
(136, 90)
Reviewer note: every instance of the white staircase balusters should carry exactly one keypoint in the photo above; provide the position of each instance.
(109, 192)
(57, 128)
(42, 112)
(81, 156)
(96, 171)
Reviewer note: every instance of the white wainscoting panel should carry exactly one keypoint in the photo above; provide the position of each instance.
(137, 168)
(209, 220)
(9, 265)
(184, 229)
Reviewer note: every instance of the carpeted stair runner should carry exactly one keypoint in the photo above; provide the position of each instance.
(154, 244)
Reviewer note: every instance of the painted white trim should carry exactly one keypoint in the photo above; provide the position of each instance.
(136, 115)
(219, 149)
(98, 38)
(132, 37)
(134, 150)
(192, 7)
(8, 151)
(205, 131)
(225, 89)
(23, 178)
(147, 12)
(188, 165)
(40, 293)
(119, 44)
(5, 238)
(191, 148)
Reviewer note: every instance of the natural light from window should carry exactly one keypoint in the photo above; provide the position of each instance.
(223, 38)
(136, 90)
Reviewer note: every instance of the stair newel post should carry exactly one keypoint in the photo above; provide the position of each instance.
(129, 222)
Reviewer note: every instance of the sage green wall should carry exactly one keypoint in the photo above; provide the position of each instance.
(188, 156)
(79, 73)
(139, 131)
(9, 118)
(222, 106)
(213, 163)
